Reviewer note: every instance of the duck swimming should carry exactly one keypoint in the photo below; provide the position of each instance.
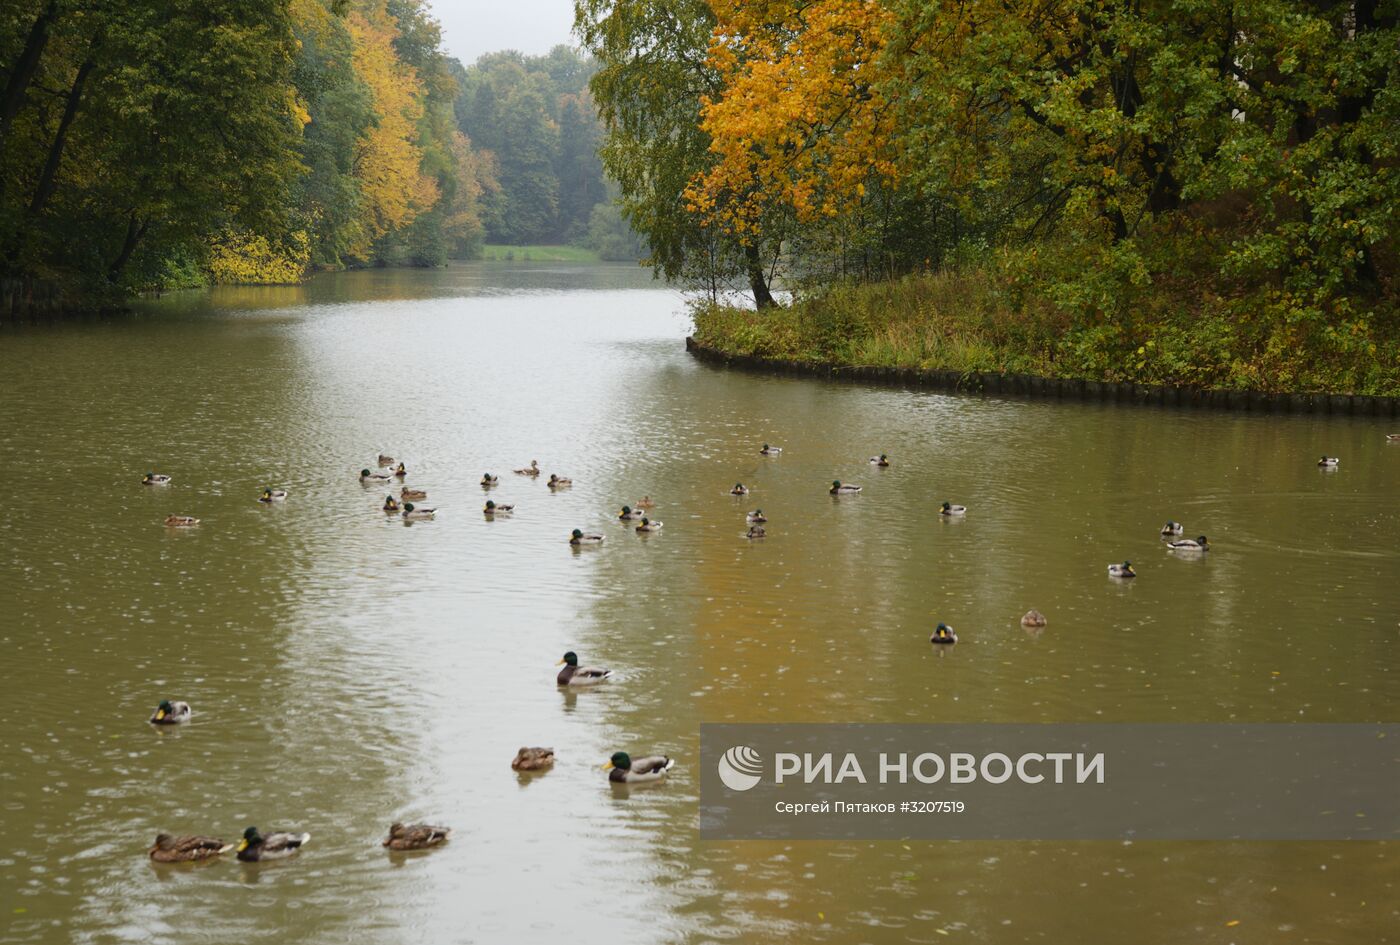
(155, 479)
(756, 517)
(390, 504)
(574, 675)
(629, 514)
(489, 480)
(413, 495)
(1172, 528)
(255, 847)
(949, 508)
(533, 759)
(385, 461)
(943, 634)
(492, 508)
(1124, 570)
(170, 713)
(623, 770)
(1033, 618)
(1187, 544)
(840, 488)
(770, 450)
(756, 531)
(739, 489)
(399, 471)
(367, 476)
(579, 538)
(881, 460)
(181, 521)
(186, 849)
(273, 495)
(415, 513)
(531, 470)
(415, 836)
(649, 526)
(645, 503)
(557, 482)
(1329, 461)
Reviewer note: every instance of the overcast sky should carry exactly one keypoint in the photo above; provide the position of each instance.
(473, 27)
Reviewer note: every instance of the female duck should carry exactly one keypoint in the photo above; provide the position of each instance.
(1033, 619)
(1124, 570)
(255, 847)
(415, 836)
(739, 489)
(171, 713)
(488, 480)
(648, 526)
(579, 538)
(155, 479)
(645, 503)
(623, 770)
(882, 460)
(416, 513)
(770, 450)
(531, 470)
(273, 495)
(756, 531)
(846, 488)
(574, 675)
(181, 521)
(532, 759)
(629, 514)
(756, 517)
(385, 462)
(186, 849)
(559, 482)
(413, 495)
(391, 505)
(943, 634)
(1172, 528)
(949, 508)
(1188, 544)
(492, 509)
(367, 476)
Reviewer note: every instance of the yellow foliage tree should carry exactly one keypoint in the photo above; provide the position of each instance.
(242, 258)
(388, 160)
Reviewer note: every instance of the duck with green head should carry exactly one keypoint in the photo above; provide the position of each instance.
(739, 489)
(756, 517)
(843, 488)
(579, 537)
(391, 504)
(489, 481)
(399, 471)
(648, 526)
(416, 513)
(943, 634)
(575, 675)
(155, 479)
(367, 476)
(254, 847)
(629, 514)
(882, 460)
(273, 495)
(559, 482)
(770, 450)
(171, 713)
(1124, 570)
(622, 769)
(1198, 543)
(948, 508)
(491, 509)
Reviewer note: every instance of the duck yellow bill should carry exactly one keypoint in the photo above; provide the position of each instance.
(560, 663)
(242, 845)
(160, 714)
(607, 765)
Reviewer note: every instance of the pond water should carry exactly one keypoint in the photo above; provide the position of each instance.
(347, 670)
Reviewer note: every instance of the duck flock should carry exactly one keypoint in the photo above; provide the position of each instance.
(622, 768)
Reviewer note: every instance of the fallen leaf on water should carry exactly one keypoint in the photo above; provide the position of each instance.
(1232, 923)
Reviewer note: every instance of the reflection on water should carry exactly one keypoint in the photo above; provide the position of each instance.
(347, 671)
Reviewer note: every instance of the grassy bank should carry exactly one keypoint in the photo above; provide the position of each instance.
(1007, 313)
(572, 254)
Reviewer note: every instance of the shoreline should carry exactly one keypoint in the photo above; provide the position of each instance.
(1034, 386)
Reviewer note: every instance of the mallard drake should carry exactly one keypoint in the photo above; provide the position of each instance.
(645, 503)
(629, 514)
(1329, 461)
(399, 471)
(881, 460)
(1188, 544)
(170, 713)
(623, 770)
(413, 495)
(491, 508)
(770, 450)
(1124, 570)
(739, 489)
(1172, 528)
(367, 476)
(385, 461)
(155, 479)
(574, 675)
(254, 846)
(579, 538)
(649, 526)
(273, 495)
(1033, 618)
(531, 470)
(390, 504)
(949, 508)
(557, 482)
(181, 521)
(755, 531)
(843, 488)
(533, 759)
(943, 634)
(489, 480)
(416, 513)
(186, 849)
(415, 836)
(756, 517)
(1393, 437)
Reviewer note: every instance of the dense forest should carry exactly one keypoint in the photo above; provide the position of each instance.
(170, 143)
(1195, 191)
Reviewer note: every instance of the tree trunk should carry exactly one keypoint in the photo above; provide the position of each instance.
(761, 296)
(12, 99)
(49, 176)
(134, 232)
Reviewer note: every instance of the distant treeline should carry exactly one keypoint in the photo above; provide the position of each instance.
(167, 143)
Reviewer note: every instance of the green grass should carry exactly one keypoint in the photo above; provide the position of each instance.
(573, 254)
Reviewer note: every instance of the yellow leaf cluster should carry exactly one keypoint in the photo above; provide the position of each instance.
(243, 258)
